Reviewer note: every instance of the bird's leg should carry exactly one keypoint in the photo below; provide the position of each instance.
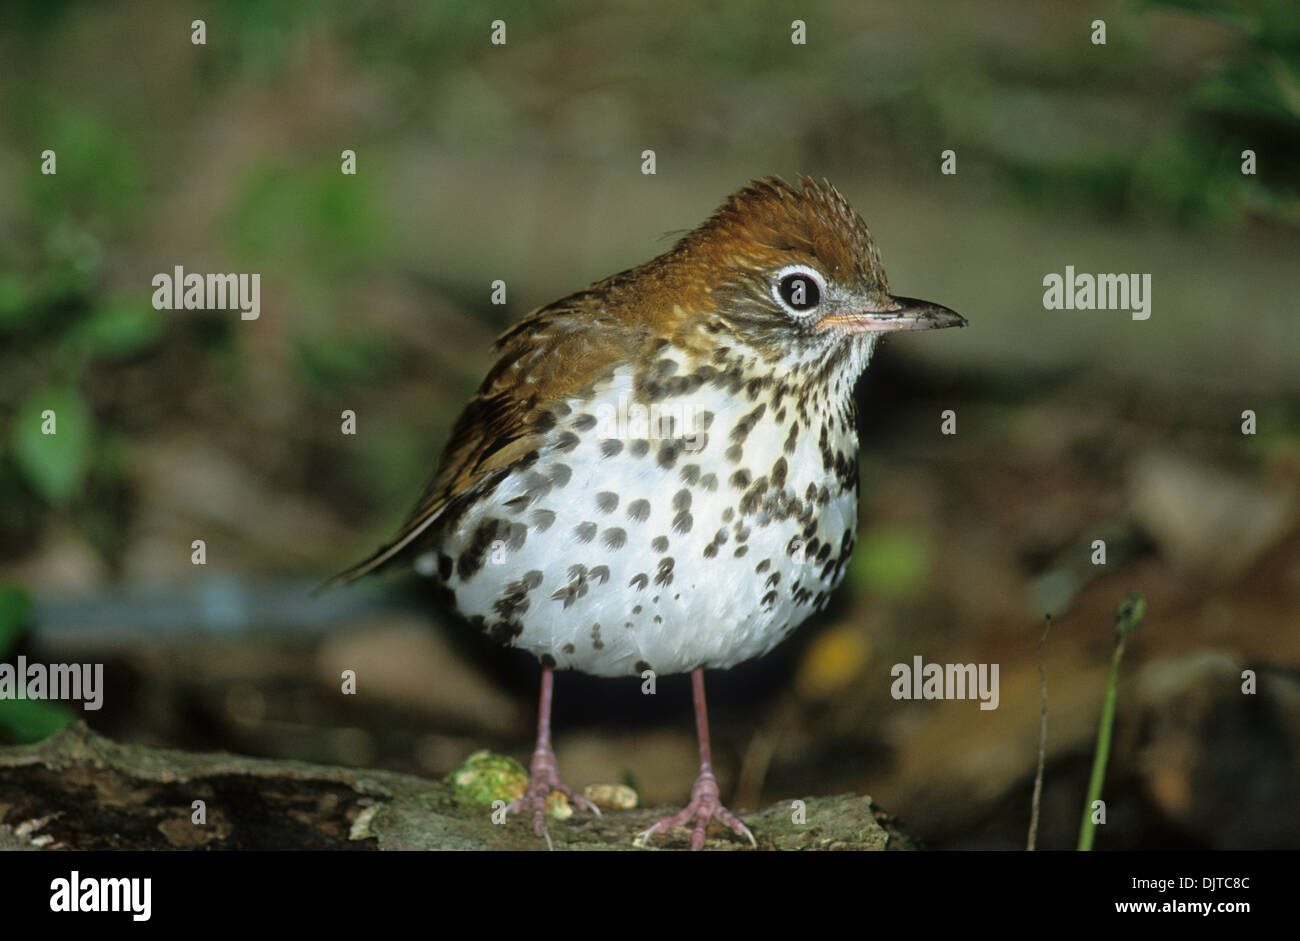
(543, 770)
(704, 805)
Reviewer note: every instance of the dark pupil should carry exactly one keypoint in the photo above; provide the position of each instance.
(799, 291)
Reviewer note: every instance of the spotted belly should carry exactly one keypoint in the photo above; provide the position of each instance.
(614, 554)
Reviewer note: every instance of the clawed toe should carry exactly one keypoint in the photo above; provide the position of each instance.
(703, 808)
(543, 782)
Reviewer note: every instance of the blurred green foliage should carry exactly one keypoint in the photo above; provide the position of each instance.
(58, 324)
(1094, 128)
(891, 562)
(333, 362)
(1249, 100)
(100, 176)
(318, 220)
(50, 436)
(15, 612)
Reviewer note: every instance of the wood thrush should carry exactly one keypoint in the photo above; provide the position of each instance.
(659, 472)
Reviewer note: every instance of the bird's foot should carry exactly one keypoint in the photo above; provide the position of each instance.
(544, 778)
(704, 807)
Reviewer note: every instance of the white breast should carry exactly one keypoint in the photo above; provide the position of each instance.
(619, 551)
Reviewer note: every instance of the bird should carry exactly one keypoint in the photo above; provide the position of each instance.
(658, 474)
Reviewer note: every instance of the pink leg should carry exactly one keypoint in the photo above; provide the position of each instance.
(705, 805)
(544, 772)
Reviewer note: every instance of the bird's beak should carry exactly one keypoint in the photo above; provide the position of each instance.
(904, 313)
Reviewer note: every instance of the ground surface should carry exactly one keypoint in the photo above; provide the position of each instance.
(79, 790)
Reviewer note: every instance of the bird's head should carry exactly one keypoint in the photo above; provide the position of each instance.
(792, 273)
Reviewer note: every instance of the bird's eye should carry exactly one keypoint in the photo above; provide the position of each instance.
(798, 290)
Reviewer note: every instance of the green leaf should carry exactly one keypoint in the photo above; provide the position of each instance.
(15, 613)
(120, 329)
(25, 721)
(55, 464)
(328, 361)
(317, 218)
(16, 307)
(100, 173)
(891, 562)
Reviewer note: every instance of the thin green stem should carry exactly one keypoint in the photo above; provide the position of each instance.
(1042, 741)
(1127, 620)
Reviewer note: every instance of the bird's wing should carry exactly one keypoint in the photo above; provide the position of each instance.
(554, 350)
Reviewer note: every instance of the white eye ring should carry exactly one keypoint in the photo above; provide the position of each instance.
(809, 274)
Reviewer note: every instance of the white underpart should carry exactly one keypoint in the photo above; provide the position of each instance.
(712, 613)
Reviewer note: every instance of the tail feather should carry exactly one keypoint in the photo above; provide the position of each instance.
(370, 564)
(387, 552)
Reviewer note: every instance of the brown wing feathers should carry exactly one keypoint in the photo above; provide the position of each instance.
(538, 360)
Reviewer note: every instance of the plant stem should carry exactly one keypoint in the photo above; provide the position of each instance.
(1127, 620)
(1042, 741)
